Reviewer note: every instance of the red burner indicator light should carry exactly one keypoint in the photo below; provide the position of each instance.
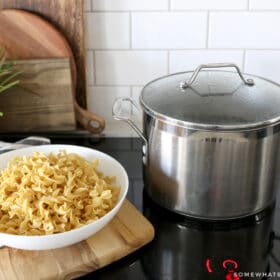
(208, 267)
(229, 264)
(231, 275)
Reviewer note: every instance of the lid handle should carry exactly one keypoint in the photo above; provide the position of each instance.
(184, 85)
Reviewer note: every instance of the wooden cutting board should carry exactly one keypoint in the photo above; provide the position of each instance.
(43, 101)
(68, 17)
(29, 37)
(127, 232)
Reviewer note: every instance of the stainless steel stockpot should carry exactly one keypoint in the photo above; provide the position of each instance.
(211, 141)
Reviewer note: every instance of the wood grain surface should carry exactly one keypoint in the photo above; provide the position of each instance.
(68, 17)
(43, 101)
(25, 35)
(127, 232)
(30, 36)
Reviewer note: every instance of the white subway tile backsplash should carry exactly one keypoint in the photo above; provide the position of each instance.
(87, 5)
(244, 30)
(264, 4)
(136, 91)
(131, 42)
(263, 63)
(101, 99)
(208, 4)
(129, 67)
(90, 67)
(118, 129)
(189, 60)
(107, 30)
(129, 5)
(169, 30)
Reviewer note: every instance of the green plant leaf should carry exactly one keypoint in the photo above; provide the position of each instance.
(8, 86)
(9, 78)
(8, 73)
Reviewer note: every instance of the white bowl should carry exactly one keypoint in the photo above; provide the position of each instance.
(108, 165)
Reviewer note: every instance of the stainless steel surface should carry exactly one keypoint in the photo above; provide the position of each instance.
(213, 175)
(216, 100)
(184, 85)
(118, 114)
(211, 149)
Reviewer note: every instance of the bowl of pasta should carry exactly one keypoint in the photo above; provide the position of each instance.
(54, 196)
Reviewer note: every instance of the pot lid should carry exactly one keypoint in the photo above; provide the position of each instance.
(213, 99)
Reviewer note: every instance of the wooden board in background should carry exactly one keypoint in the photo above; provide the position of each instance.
(43, 101)
(68, 17)
(30, 36)
(127, 232)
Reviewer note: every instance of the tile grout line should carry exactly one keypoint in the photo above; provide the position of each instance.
(184, 49)
(207, 30)
(168, 62)
(119, 85)
(89, 62)
(169, 5)
(248, 5)
(130, 31)
(243, 62)
(245, 10)
(90, 5)
(94, 67)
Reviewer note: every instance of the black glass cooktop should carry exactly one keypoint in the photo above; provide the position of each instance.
(185, 248)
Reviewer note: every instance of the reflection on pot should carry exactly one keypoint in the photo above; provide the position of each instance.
(198, 250)
(211, 140)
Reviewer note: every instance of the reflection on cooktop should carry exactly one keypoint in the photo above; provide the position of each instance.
(185, 249)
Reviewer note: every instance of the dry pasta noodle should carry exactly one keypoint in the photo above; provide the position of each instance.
(45, 194)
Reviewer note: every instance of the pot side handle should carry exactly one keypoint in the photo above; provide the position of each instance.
(117, 113)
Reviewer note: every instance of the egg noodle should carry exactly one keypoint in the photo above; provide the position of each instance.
(46, 194)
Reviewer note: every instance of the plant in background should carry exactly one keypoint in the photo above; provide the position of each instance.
(8, 73)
